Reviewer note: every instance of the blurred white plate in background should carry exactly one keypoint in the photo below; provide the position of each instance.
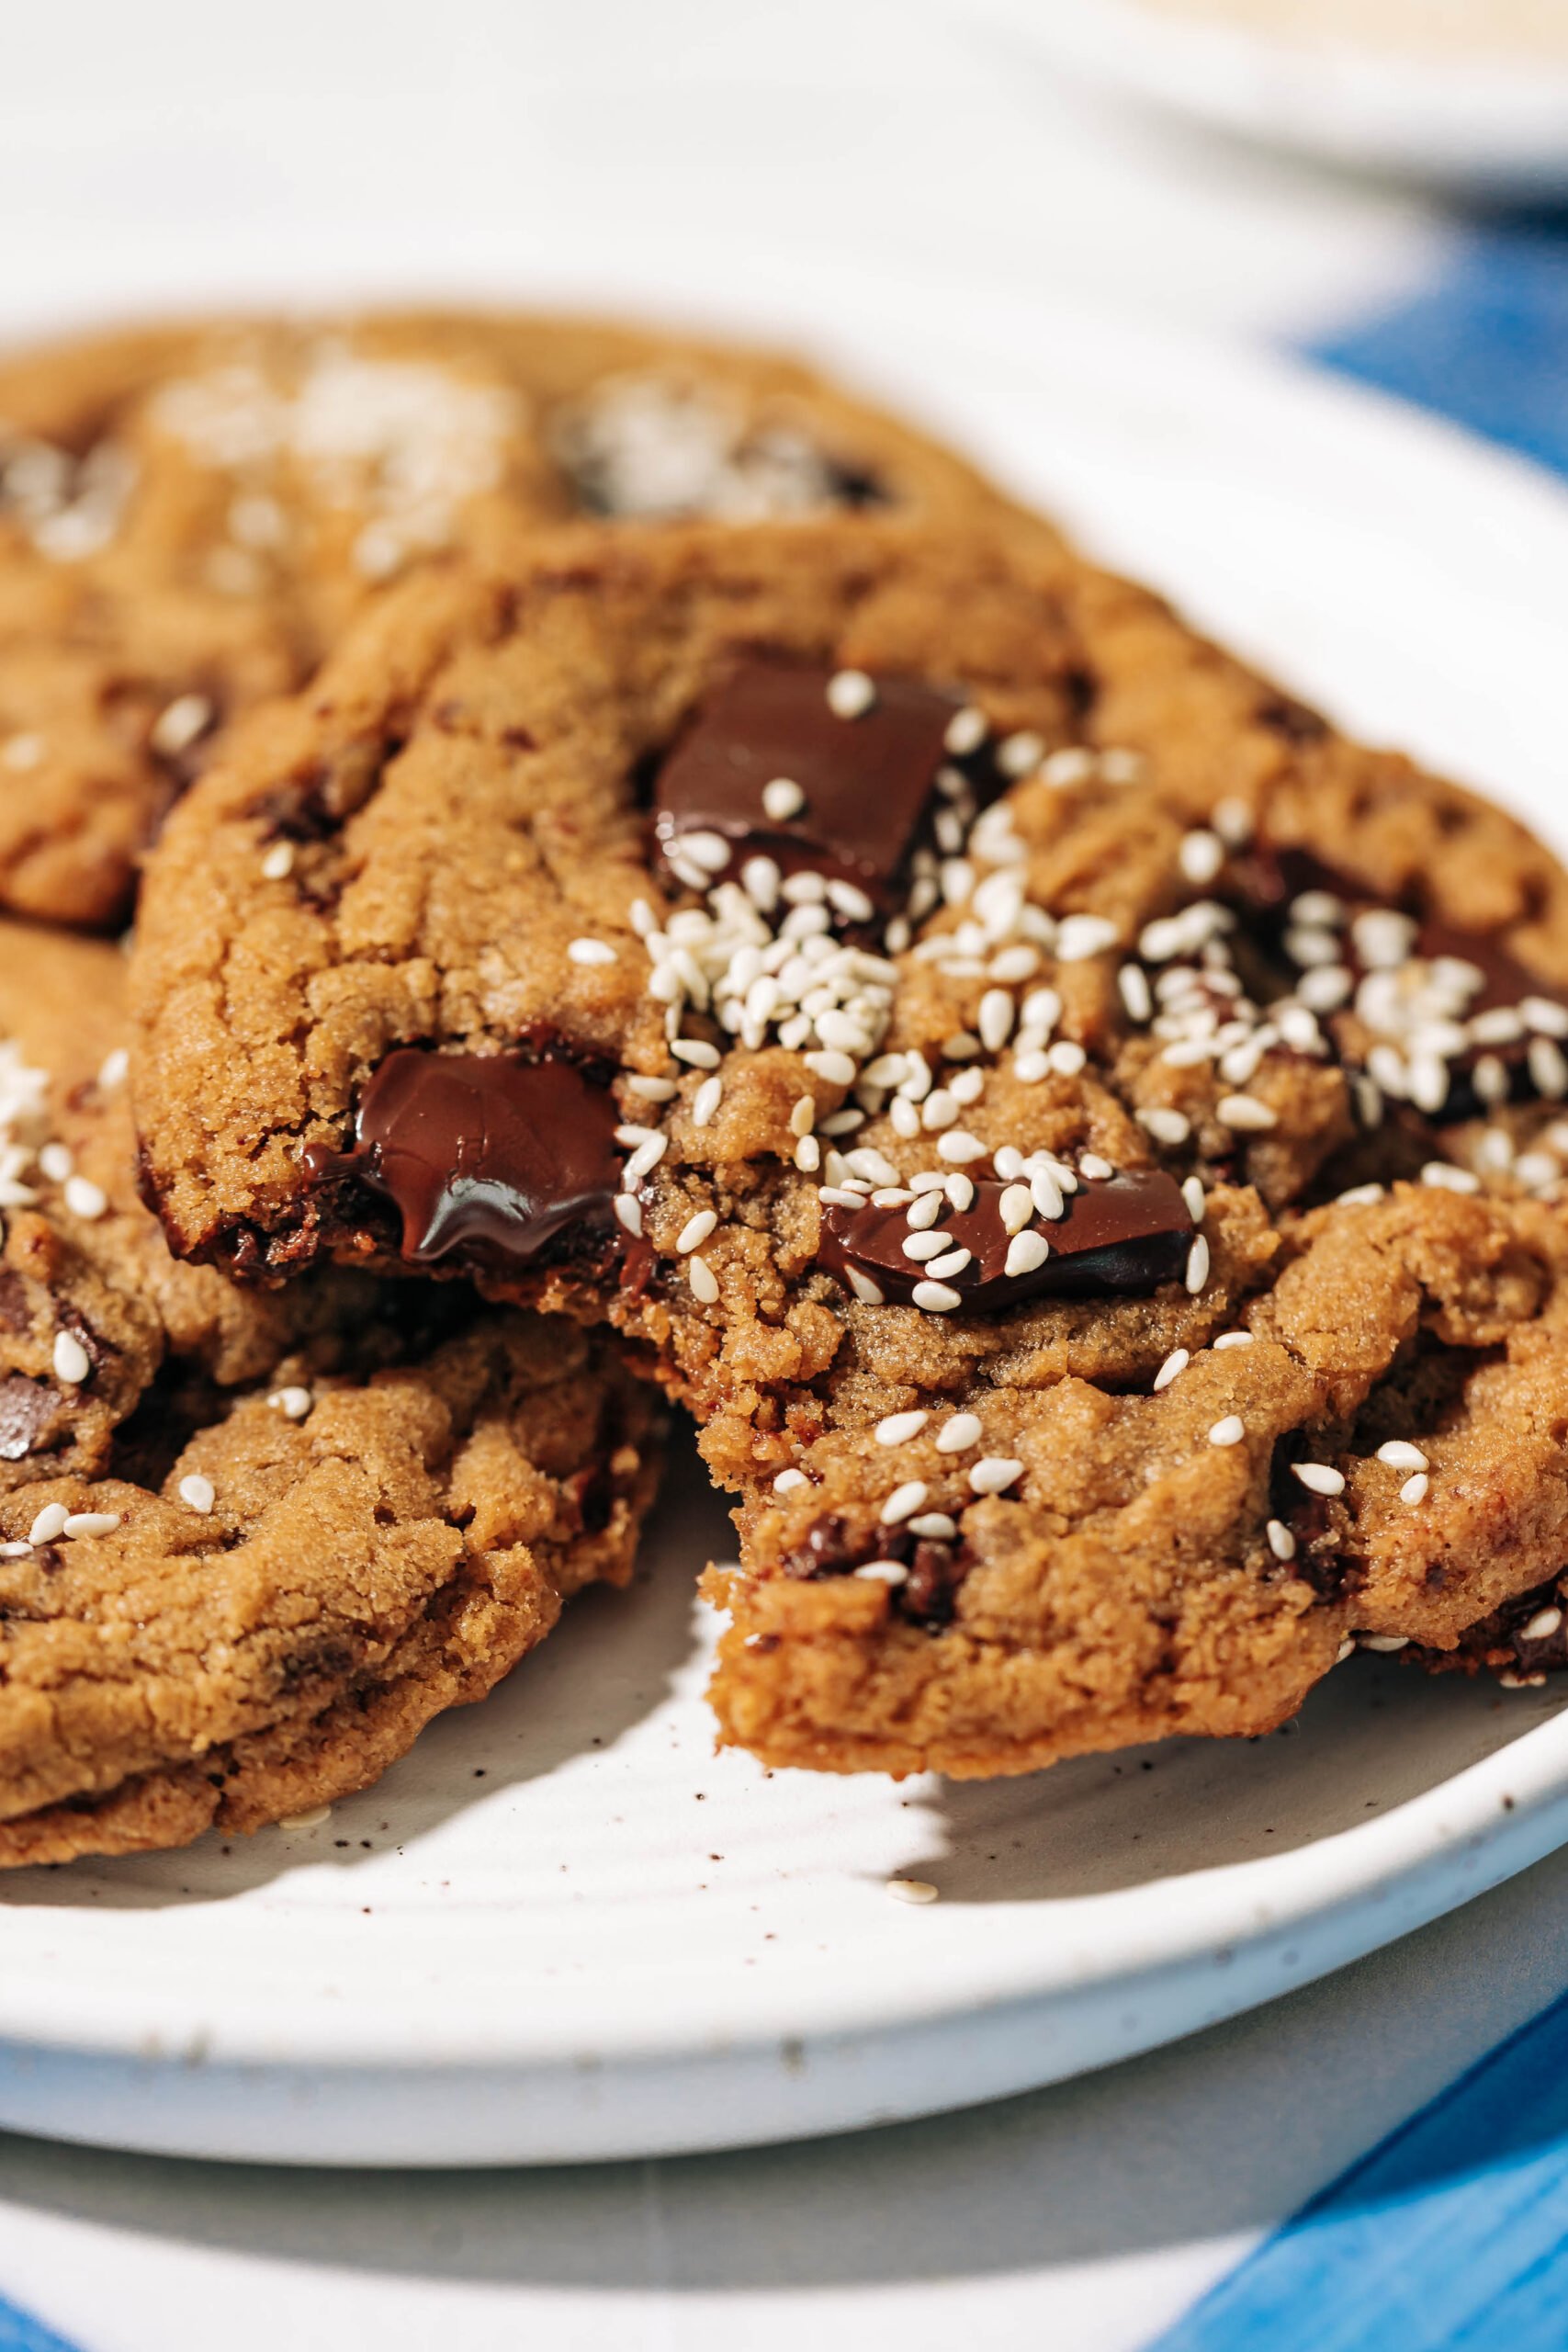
(563, 1928)
(1483, 119)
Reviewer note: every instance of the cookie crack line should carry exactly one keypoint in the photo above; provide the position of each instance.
(926, 1056)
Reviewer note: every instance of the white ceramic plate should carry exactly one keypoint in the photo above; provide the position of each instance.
(564, 1928)
(1486, 121)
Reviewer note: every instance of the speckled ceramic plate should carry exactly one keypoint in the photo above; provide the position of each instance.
(565, 1928)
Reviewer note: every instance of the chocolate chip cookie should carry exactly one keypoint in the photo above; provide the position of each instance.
(188, 516)
(249, 1545)
(1085, 1138)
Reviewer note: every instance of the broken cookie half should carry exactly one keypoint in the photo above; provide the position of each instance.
(250, 1545)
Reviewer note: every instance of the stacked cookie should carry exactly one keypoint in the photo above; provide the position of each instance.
(1084, 1141)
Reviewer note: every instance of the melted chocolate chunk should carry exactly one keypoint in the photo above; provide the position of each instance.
(1123, 1237)
(493, 1156)
(866, 781)
(29, 1410)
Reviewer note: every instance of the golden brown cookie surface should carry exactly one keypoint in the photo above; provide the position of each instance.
(1084, 1138)
(189, 516)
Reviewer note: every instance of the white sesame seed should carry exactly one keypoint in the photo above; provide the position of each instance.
(925, 1209)
(960, 1192)
(629, 1212)
(1081, 936)
(1385, 1644)
(696, 1231)
(1282, 1542)
(788, 1480)
(899, 1428)
(1046, 1193)
(1401, 1456)
(278, 862)
(49, 1522)
(591, 951)
(704, 1281)
(1026, 1253)
(833, 1069)
(1017, 754)
(1361, 1196)
(1347, 1649)
(873, 1165)
(1097, 1169)
(952, 1262)
(1016, 1207)
(1449, 1180)
(1245, 1114)
(1197, 1201)
(652, 1090)
(1548, 1067)
(706, 1101)
(965, 731)
(960, 1147)
(198, 1491)
(864, 1289)
(1197, 1272)
(1200, 857)
(1174, 1364)
(697, 1051)
(709, 851)
(293, 1403)
(1065, 1057)
(1319, 1477)
(1228, 1432)
(888, 1572)
(936, 1298)
(808, 1155)
(1031, 1067)
(113, 1070)
(935, 1525)
(1415, 1489)
(1015, 964)
(1541, 1626)
(994, 1472)
(56, 1160)
(958, 1434)
(904, 1502)
(1073, 765)
(1133, 982)
(179, 723)
(71, 1362)
(1545, 1016)
(645, 1157)
(1234, 1340)
(995, 1019)
(84, 1199)
(912, 1890)
(849, 693)
(90, 1522)
(1166, 1126)
(781, 799)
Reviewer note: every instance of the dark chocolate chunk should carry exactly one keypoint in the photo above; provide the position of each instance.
(28, 1410)
(936, 1569)
(493, 1155)
(1123, 1236)
(866, 781)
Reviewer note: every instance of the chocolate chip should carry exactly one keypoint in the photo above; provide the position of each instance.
(1123, 1237)
(864, 782)
(483, 1156)
(27, 1408)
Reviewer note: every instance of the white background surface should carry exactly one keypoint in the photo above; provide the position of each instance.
(178, 151)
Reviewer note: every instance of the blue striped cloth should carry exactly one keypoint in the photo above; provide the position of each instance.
(1452, 2236)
